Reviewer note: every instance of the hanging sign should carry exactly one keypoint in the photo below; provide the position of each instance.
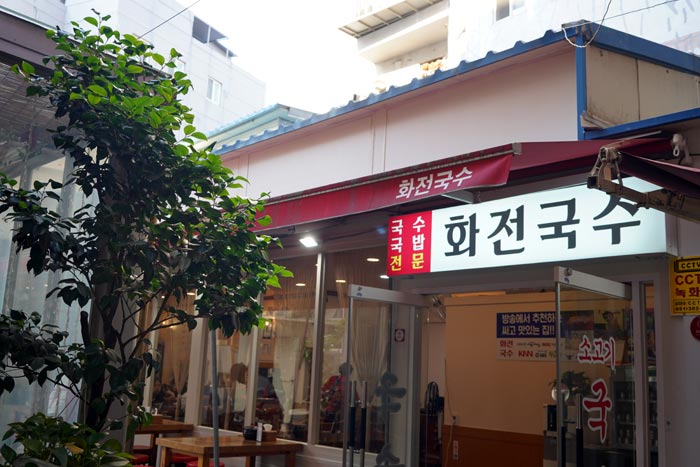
(685, 285)
(557, 225)
(695, 327)
(526, 336)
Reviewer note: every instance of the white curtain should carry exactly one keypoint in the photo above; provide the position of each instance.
(178, 342)
(370, 320)
(292, 310)
(370, 344)
(290, 334)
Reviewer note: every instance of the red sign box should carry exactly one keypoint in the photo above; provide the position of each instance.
(408, 251)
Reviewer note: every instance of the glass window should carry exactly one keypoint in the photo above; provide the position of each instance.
(502, 9)
(23, 291)
(506, 8)
(232, 357)
(597, 367)
(361, 267)
(285, 349)
(213, 90)
(169, 383)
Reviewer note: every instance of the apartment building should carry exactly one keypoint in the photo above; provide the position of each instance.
(222, 91)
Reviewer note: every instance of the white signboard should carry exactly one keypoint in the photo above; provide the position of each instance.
(556, 225)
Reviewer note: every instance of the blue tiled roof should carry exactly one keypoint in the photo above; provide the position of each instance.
(233, 124)
(605, 38)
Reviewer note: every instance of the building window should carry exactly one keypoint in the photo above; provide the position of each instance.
(214, 90)
(368, 361)
(233, 358)
(285, 349)
(506, 8)
(168, 384)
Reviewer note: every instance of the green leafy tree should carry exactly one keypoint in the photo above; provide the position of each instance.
(61, 443)
(162, 220)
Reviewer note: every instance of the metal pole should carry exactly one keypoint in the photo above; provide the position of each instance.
(363, 423)
(346, 382)
(214, 397)
(561, 415)
(351, 423)
(579, 430)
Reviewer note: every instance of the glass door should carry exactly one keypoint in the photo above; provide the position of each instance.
(380, 377)
(595, 385)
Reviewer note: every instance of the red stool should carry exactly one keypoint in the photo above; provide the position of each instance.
(211, 464)
(183, 458)
(140, 459)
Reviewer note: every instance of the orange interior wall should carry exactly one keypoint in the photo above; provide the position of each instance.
(486, 392)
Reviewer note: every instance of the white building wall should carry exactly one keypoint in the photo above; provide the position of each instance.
(50, 13)
(334, 155)
(681, 383)
(242, 93)
(473, 30)
(532, 102)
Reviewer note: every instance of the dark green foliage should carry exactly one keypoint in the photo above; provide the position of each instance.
(61, 443)
(162, 220)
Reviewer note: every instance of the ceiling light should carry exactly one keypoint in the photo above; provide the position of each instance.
(308, 242)
(383, 276)
(300, 284)
(191, 294)
(373, 260)
(340, 281)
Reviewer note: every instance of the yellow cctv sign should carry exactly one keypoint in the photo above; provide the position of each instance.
(685, 286)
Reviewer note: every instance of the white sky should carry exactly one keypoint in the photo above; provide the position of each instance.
(295, 47)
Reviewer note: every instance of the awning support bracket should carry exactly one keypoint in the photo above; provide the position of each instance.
(606, 169)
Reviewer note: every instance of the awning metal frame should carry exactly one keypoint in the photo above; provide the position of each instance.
(607, 177)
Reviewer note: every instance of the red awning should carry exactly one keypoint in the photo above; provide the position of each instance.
(681, 179)
(479, 169)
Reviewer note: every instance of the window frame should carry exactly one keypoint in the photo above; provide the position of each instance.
(214, 90)
(514, 7)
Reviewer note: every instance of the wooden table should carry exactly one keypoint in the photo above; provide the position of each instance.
(162, 427)
(229, 446)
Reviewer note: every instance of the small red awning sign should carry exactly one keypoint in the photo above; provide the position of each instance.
(372, 193)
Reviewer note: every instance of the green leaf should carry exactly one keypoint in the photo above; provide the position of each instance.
(91, 20)
(27, 68)
(134, 69)
(112, 445)
(99, 90)
(61, 455)
(154, 119)
(159, 59)
(33, 445)
(93, 99)
(181, 150)
(8, 454)
(264, 220)
(130, 38)
(9, 383)
(98, 405)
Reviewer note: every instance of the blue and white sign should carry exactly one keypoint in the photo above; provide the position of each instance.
(526, 335)
(526, 324)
